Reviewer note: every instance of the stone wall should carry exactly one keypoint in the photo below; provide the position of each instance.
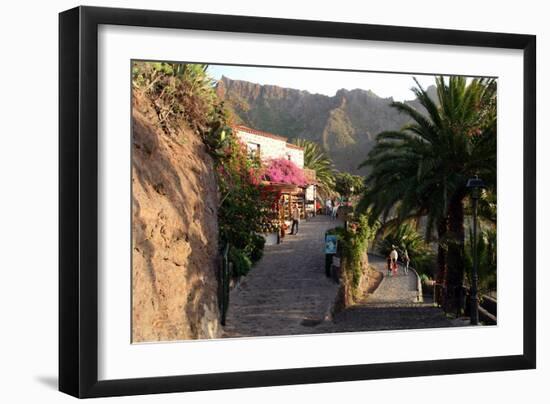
(349, 294)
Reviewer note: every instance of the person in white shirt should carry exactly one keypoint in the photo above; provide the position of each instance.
(394, 256)
(328, 207)
(335, 210)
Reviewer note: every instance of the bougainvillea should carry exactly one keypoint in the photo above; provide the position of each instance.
(244, 203)
(284, 171)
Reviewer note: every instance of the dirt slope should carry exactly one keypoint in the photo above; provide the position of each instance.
(174, 233)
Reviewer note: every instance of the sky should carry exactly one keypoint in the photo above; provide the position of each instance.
(326, 82)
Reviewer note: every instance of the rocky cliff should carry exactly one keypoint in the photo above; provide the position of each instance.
(174, 232)
(345, 124)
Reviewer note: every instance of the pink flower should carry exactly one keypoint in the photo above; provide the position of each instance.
(284, 171)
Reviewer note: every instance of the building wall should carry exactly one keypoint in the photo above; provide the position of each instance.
(270, 148)
(296, 156)
(310, 193)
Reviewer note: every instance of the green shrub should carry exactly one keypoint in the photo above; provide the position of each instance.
(354, 242)
(245, 204)
(180, 91)
(257, 248)
(347, 184)
(241, 262)
(340, 232)
(487, 259)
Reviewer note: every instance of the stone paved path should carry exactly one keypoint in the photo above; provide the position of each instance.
(286, 287)
(395, 290)
(392, 306)
(287, 293)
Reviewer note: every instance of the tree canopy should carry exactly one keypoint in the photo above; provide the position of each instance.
(422, 169)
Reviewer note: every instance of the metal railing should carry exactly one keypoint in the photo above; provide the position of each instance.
(419, 291)
(224, 281)
(487, 308)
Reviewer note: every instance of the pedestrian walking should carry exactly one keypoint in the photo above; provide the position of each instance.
(394, 256)
(388, 265)
(406, 261)
(295, 219)
(335, 210)
(328, 207)
(318, 210)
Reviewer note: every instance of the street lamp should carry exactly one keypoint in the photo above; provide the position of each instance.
(474, 185)
(347, 198)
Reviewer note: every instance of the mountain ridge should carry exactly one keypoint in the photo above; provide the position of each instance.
(345, 124)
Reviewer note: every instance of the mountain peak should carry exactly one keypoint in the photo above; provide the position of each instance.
(345, 124)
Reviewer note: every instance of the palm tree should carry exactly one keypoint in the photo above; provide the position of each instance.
(316, 159)
(422, 169)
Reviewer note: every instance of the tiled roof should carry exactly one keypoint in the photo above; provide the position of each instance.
(293, 146)
(246, 129)
(243, 128)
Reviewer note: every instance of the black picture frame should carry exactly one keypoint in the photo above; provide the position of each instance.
(78, 201)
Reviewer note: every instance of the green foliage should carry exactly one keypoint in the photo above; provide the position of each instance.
(315, 158)
(487, 259)
(177, 91)
(487, 206)
(418, 170)
(256, 248)
(353, 243)
(218, 135)
(241, 262)
(422, 169)
(347, 184)
(341, 130)
(244, 206)
(186, 92)
(405, 237)
(340, 232)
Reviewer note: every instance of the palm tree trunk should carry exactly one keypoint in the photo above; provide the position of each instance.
(455, 271)
(441, 276)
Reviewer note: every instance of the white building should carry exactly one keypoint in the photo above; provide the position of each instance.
(270, 146)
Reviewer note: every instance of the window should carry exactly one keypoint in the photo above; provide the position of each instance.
(253, 150)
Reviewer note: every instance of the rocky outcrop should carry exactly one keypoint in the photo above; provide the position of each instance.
(345, 124)
(174, 232)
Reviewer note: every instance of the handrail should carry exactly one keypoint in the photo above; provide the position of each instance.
(225, 276)
(487, 308)
(419, 292)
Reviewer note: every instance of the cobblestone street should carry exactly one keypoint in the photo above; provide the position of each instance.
(392, 306)
(287, 293)
(288, 286)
